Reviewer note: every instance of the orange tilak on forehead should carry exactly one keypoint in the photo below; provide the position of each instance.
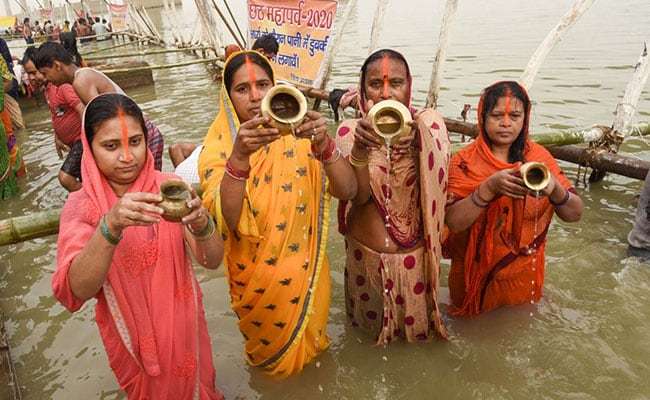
(125, 135)
(252, 77)
(508, 108)
(385, 69)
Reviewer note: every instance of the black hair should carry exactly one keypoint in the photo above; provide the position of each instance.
(267, 43)
(237, 61)
(96, 19)
(376, 56)
(107, 106)
(491, 96)
(26, 20)
(69, 42)
(103, 20)
(51, 51)
(29, 55)
(66, 22)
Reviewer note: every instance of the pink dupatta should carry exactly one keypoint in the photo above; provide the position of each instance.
(149, 311)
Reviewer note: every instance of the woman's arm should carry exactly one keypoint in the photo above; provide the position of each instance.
(202, 237)
(249, 139)
(462, 214)
(89, 269)
(343, 184)
(568, 206)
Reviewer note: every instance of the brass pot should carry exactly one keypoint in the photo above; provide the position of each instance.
(175, 196)
(536, 175)
(390, 119)
(286, 106)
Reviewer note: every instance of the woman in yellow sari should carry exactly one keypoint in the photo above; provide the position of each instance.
(270, 195)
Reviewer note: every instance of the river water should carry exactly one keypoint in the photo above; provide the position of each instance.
(587, 338)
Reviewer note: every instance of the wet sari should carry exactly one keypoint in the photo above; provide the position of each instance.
(395, 295)
(275, 259)
(149, 310)
(499, 259)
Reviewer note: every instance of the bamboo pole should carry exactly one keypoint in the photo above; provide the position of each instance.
(626, 108)
(165, 66)
(377, 24)
(326, 66)
(145, 53)
(12, 388)
(19, 229)
(553, 37)
(209, 24)
(113, 47)
(441, 54)
(241, 35)
(225, 22)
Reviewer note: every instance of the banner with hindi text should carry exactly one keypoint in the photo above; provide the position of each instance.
(118, 16)
(303, 29)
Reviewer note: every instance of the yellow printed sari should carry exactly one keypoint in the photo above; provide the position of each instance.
(275, 259)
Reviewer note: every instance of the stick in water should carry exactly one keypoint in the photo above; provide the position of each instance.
(441, 54)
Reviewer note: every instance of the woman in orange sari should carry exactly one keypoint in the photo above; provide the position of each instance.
(498, 227)
(270, 195)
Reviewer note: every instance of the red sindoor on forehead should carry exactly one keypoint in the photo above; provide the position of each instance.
(125, 136)
(252, 78)
(508, 108)
(385, 69)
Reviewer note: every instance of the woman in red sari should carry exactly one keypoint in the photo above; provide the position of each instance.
(498, 226)
(114, 246)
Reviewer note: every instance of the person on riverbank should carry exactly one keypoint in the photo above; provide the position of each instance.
(114, 246)
(28, 35)
(270, 195)
(66, 110)
(58, 67)
(11, 162)
(639, 237)
(393, 225)
(498, 227)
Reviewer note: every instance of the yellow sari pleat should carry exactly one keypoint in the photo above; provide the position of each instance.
(275, 260)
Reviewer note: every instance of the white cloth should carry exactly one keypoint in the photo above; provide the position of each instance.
(100, 30)
(188, 169)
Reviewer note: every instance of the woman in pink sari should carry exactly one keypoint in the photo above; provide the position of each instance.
(114, 246)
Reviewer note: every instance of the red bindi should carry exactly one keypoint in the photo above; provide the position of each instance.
(125, 136)
(252, 78)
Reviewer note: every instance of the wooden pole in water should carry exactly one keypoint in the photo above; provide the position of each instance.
(166, 66)
(145, 53)
(553, 37)
(241, 35)
(441, 54)
(112, 47)
(225, 22)
(326, 66)
(377, 24)
(626, 108)
(12, 388)
(19, 229)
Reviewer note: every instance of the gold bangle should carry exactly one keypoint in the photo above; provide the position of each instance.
(356, 162)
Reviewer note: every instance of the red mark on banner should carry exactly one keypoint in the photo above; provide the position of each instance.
(125, 136)
(252, 78)
(384, 70)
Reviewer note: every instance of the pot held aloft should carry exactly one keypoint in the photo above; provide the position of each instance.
(175, 196)
(286, 106)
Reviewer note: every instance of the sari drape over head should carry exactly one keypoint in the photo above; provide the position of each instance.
(409, 192)
(149, 310)
(275, 259)
(499, 259)
(11, 162)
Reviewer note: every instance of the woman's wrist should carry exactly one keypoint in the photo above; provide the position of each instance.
(237, 168)
(485, 197)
